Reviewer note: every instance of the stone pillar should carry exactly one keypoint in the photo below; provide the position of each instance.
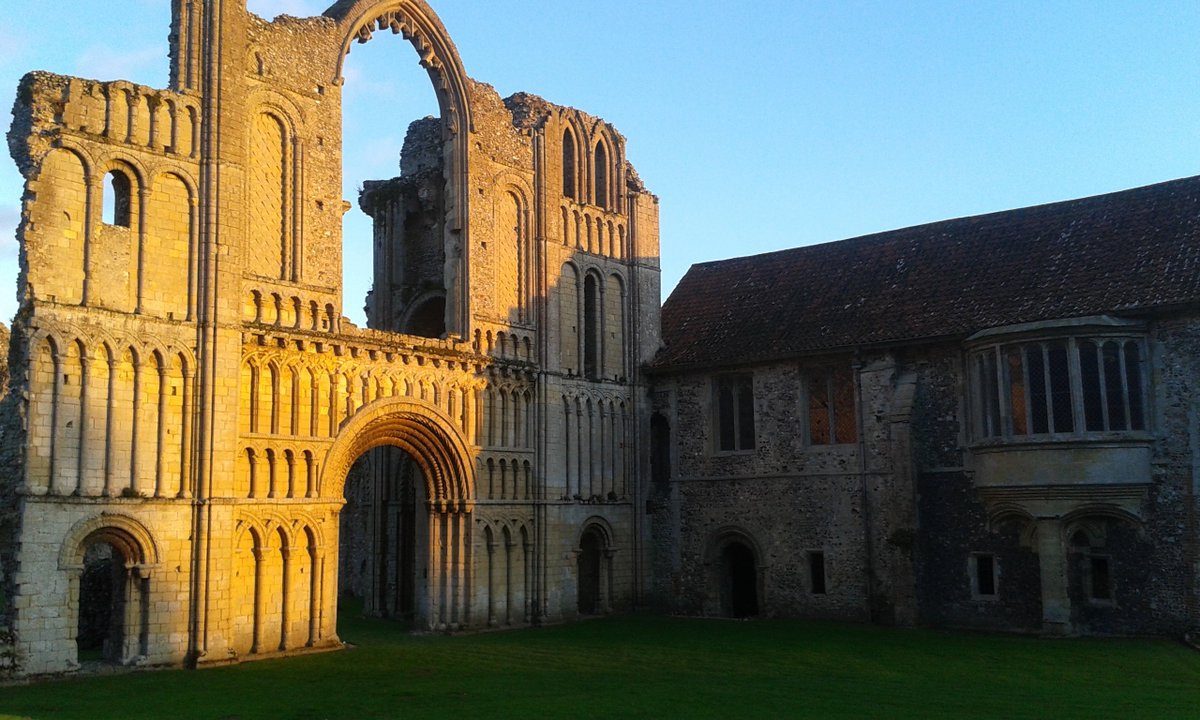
(160, 463)
(491, 581)
(185, 443)
(259, 598)
(1052, 558)
(285, 608)
(508, 580)
(314, 595)
(85, 368)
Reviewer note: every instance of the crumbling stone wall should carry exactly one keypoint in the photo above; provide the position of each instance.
(190, 394)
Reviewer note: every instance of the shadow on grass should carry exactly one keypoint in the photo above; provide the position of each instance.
(657, 667)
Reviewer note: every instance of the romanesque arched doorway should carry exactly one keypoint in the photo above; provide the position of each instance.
(103, 596)
(406, 476)
(109, 561)
(593, 566)
(734, 574)
(384, 536)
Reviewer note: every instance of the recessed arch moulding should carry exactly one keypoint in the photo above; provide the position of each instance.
(185, 379)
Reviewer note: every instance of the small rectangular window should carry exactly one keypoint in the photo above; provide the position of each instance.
(1099, 582)
(816, 572)
(984, 574)
(735, 413)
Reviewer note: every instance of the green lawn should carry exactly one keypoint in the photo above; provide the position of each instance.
(654, 667)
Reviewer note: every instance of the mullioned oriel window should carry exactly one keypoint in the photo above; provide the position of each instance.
(1060, 386)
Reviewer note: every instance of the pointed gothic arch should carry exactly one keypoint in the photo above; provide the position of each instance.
(358, 20)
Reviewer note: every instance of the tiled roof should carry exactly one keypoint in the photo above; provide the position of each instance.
(1124, 253)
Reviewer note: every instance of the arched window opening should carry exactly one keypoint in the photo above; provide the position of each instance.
(591, 328)
(429, 319)
(568, 163)
(401, 226)
(739, 581)
(118, 200)
(601, 176)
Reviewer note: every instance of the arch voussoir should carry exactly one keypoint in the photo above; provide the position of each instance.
(419, 429)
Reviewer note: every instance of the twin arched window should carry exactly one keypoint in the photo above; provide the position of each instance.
(601, 192)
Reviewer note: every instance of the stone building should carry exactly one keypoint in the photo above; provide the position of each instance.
(202, 454)
(987, 422)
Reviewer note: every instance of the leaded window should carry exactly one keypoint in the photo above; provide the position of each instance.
(1059, 386)
(735, 413)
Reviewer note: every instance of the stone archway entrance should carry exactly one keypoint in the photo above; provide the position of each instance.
(590, 550)
(103, 596)
(593, 568)
(407, 477)
(109, 569)
(383, 543)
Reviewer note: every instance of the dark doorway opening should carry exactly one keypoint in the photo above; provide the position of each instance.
(383, 535)
(591, 554)
(739, 581)
(101, 605)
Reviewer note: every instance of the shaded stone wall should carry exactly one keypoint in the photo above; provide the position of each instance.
(791, 497)
(909, 498)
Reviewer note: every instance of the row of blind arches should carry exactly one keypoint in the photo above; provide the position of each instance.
(113, 419)
(507, 560)
(278, 589)
(309, 402)
(592, 324)
(301, 401)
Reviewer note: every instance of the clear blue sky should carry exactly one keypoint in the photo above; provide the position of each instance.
(761, 125)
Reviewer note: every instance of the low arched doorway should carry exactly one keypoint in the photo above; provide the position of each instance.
(591, 546)
(739, 581)
(103, 595)
(734, 574)
(109, 561)
(593, 572)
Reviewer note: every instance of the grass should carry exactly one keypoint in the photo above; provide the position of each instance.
(653, 667)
